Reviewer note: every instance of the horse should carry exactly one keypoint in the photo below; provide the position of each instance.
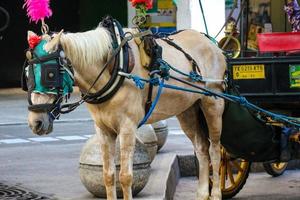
(120, 115)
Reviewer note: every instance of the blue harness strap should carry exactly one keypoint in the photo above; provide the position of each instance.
(153, 105)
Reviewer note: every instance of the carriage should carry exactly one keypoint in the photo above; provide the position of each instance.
(266, 76)
(258, 141)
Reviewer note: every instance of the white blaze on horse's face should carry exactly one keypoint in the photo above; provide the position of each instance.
(40, 122)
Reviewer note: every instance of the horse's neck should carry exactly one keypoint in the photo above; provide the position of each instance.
(88, 52)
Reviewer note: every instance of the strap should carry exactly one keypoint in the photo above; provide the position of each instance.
(189, 57)
(41, 107)
(45, 58)
(153, 105)
(149, 98)
(111, 87)
(107, 91)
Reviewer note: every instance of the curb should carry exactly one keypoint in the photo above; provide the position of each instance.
(165, 171)
(188, 166)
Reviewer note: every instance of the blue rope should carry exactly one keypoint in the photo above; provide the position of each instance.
(154, 81)
(161, 84)
(194, 76)
(139, 82)
(174, 87)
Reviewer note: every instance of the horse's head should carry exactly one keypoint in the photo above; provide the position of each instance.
(48, 80)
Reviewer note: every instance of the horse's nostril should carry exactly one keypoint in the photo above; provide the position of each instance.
(38, 125)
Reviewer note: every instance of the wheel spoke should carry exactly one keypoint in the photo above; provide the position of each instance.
(223, 172)
(229, 172)
(237, 165)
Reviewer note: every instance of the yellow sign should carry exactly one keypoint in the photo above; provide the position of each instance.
(248, 72)
(162, 15)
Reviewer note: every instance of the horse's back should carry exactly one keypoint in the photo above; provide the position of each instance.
(208, 56)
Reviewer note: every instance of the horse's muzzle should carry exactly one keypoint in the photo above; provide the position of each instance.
(41, 128)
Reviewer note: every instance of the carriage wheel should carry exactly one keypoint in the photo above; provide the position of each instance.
(275, 169)
(233, 174)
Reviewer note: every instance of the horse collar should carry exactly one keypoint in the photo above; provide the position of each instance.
(121, 63)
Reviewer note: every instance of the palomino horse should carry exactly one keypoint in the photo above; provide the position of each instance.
(121, 114)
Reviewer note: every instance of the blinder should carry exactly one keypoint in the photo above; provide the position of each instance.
(28, 77)
(50, 76)
(47, 73)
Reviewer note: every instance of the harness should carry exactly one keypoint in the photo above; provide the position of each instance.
(51, 73)
(44, 73)
(121, 60)
(47, 73)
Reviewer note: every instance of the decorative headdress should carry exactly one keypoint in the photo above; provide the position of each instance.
(37, 10)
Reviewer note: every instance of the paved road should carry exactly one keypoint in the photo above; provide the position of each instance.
(49, 164)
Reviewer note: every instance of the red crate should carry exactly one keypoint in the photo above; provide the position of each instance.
(279, 42)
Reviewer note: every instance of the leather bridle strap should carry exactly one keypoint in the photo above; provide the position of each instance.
(52, 56)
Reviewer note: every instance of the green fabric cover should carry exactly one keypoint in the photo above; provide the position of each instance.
(245, 136)
(39, 88)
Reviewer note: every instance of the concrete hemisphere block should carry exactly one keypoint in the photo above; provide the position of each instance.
(161, 131)
(147, 135)
(91, 168)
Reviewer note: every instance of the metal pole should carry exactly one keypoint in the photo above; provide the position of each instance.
(203, 16)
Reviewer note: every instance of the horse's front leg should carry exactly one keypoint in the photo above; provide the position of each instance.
(107, 145)
(127, 144)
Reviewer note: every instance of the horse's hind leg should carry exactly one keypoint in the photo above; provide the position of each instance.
(107, 145)
(213, 110)
(189, 122)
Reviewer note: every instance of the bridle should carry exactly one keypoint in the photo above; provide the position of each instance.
(55, 69)
(47, 73)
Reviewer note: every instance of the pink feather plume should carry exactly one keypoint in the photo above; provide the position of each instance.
(37, 9)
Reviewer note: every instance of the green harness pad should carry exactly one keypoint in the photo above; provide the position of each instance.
(247, 137)
(67, 82)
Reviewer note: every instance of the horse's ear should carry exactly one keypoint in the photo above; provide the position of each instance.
(52, 44)
(30, 34)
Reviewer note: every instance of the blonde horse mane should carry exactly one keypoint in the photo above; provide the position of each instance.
(87, 48)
